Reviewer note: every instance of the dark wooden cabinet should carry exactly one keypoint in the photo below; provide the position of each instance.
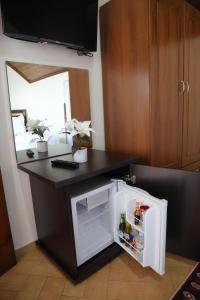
(52, 191)
(191, 121)
(150, 77)
(7, 254)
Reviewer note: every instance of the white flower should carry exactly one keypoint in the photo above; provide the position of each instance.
(84, 128)
(37, 127)
(74, 127)
(70, 127)
(33, 123)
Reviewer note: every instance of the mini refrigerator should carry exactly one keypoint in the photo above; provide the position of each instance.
(96, 211)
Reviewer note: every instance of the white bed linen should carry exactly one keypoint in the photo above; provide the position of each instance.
(27, 140)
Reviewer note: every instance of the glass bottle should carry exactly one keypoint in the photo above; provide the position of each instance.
(127, 234)
(122, 226)
(137, 214)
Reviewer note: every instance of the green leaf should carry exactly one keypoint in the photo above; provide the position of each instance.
(74, 149)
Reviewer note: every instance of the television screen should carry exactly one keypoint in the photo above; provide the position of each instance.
(70, 22)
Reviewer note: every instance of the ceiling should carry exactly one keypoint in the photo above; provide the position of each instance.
(35, 72)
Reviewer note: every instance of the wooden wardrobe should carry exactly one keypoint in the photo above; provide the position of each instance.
(7, 254)
(151, 69)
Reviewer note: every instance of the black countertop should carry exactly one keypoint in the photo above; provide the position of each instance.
(99, 162)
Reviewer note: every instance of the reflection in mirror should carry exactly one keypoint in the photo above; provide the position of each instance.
(53, 95)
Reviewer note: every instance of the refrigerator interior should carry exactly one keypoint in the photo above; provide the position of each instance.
(92, 220)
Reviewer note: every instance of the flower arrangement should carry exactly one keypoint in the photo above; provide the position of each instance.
(80, 130)
(37, 127)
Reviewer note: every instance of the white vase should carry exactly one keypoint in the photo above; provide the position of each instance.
(80, 155)
(42, 146)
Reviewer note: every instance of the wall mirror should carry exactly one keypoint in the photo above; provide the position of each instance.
(50, 94)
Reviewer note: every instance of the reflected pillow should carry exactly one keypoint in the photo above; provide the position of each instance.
(18, 124)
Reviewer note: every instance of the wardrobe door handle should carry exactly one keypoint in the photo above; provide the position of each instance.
(188, 87)
(182, 87)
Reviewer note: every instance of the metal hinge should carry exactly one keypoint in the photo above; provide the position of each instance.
(117, 182)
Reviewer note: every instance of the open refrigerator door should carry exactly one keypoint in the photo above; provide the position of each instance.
(143, 237)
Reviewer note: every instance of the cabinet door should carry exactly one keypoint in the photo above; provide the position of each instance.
(152, 229)
(191, 124)
(166, 76)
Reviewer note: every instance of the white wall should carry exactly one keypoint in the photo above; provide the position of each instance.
(16, 183)
(43, 99)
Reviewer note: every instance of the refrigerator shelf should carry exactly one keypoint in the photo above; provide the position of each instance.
(84, 216)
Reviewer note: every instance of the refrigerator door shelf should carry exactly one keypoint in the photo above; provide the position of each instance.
(153, 226)
(137, 255)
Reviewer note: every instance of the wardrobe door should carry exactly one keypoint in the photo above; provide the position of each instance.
(166, 81)
(125, 61)
(191, 124)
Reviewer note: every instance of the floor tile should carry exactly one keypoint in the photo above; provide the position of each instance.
(7, 295)
(122, 270)
(97, 285)
(75, 298)
(52, 289)
(37, 268)
(137, 291)
(36, 277)
(74, 290)
(96, 289)
(34, 255)
(31, 288)
(12, 282)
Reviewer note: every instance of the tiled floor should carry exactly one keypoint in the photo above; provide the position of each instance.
(36, 277)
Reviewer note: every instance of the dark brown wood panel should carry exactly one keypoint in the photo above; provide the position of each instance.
(166, 74)
(125, 60)
(7, 254)
(7, 257)
(79, 94)
(34, 72)
(5, 234)
(53, 217)
(191, 124)
(80, 98)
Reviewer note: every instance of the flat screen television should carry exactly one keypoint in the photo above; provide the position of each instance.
(72, 23)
